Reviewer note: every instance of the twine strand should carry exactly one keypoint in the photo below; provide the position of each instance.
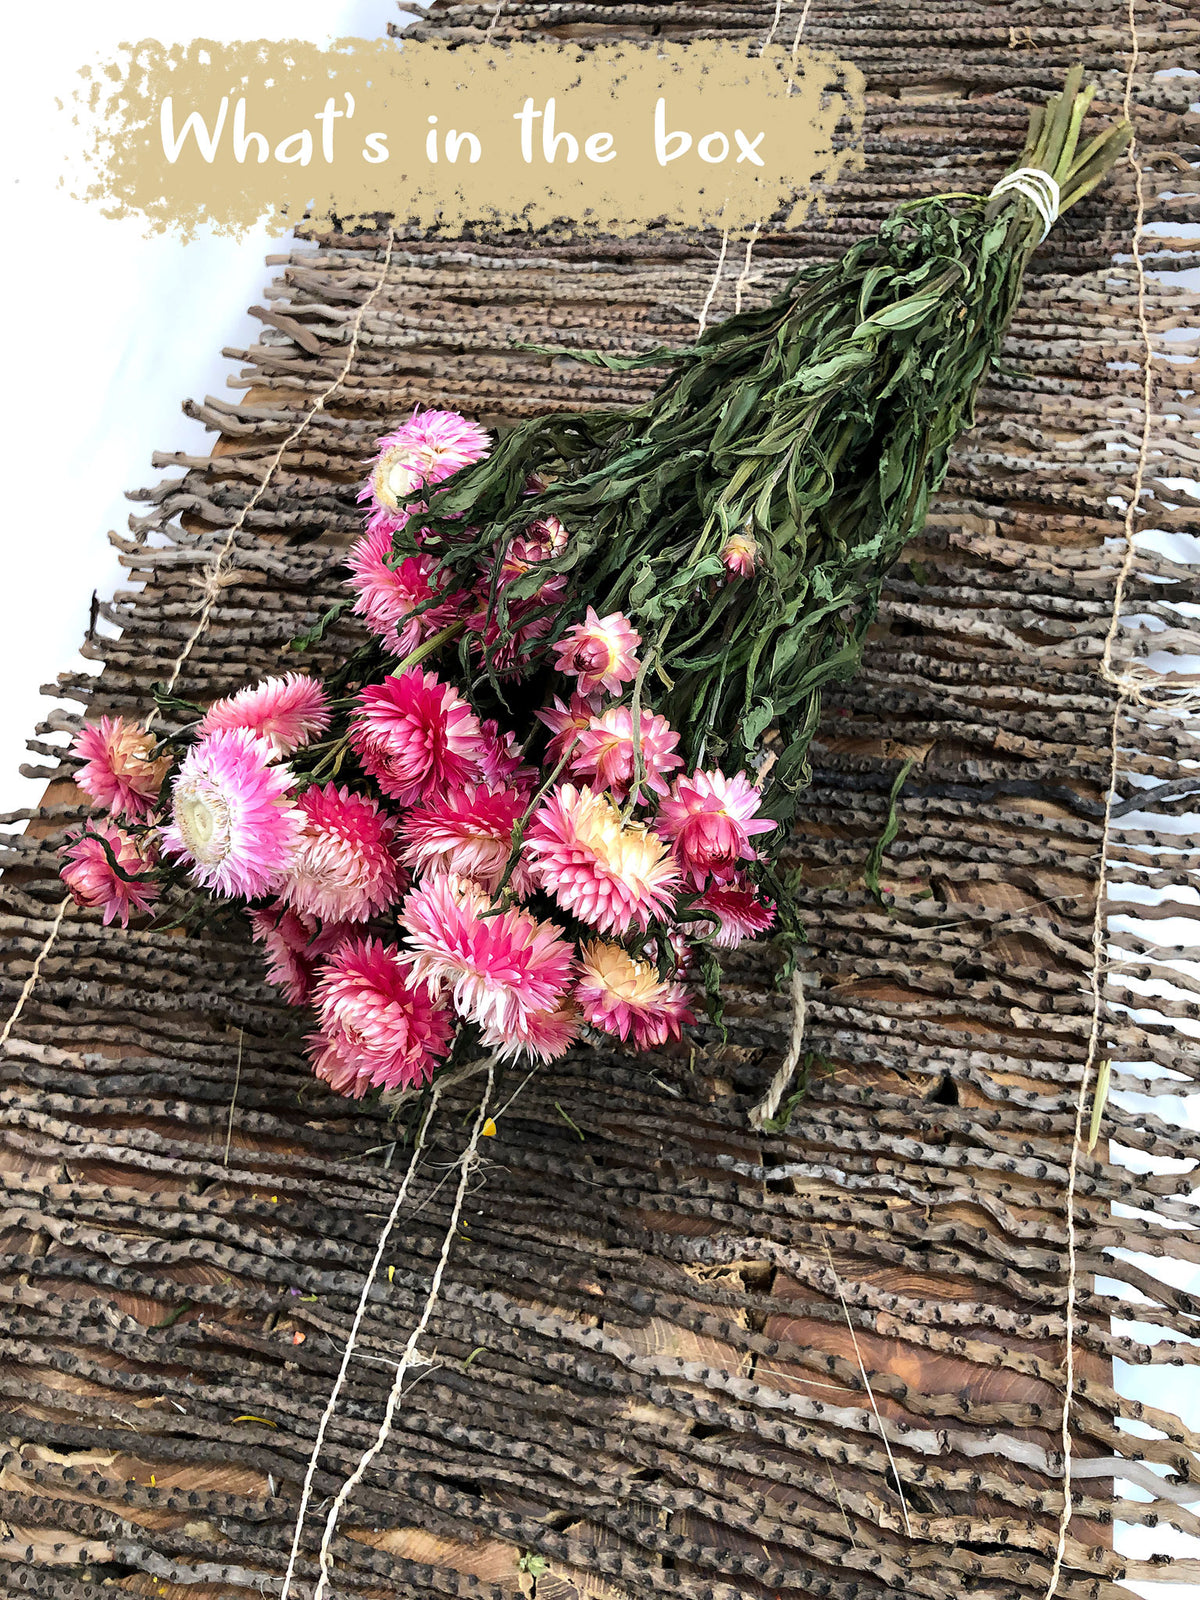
(767, 1107)
(466, 1162)
(1099, 919)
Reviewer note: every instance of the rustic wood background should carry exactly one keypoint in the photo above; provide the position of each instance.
(670, 1356)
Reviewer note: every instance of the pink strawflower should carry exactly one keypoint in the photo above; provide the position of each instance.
(469, 834)
(500, 760)
(627, 997)
(543, 1035)
(739, 555)
(416, 736)
(118, 773)
(605, 752)
(710, 820)
(608, 873)
(377, 1029)
(388, 597)
(599, 652)
(566, 723)
(427, 448)
(738, 911)
(293, 947)
(233, 815)
(94, 880)
(287, 712)
(343, 869)
(497, 966)
(529, 617)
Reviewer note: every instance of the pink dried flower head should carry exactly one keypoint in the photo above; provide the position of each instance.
(627, 997)
(542, 539)
(599, 652)
(427, 448)
(416, 736)
(605, 753)
(377, 1029)
(343, 869)
(293, 946)
(118, 773)
(506, 647)
(469, 834)
(287, 712)
(566, 723)
(739, 555)
(110, 879)
(233, 816)
(388, 597)
(710, 820)
(497, 967)
(608, 873)
(541, 1035)
(738, 911)
(500, 761)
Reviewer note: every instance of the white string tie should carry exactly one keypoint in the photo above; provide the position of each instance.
(1038, 187)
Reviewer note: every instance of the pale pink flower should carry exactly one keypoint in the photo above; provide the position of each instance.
(416, 736)
(106, 868)
(599, 652)
(388, 596)
(739, 555)
(117, 771)
(469, 834)
(287, 712)
(605, 752)
(566, 723)
(293, 946)
(376, 1028)
(424, 450)
(608, 873)
(343, 869)
(497, 966)
(627, 997)
(233, 816)
(542, 1035)
(710, 820)
(738, 911)
(500, 760)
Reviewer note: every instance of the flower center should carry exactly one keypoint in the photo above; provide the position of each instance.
(203, 821)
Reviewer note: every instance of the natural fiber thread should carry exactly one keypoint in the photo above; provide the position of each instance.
(744, 279)
(1099, 920)
(212, 580)
(712, 288)
(766, 1108)
(772, 29)
(360, 1312)
(467, 1163)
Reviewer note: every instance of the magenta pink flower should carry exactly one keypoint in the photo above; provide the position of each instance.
(710, 820)
(599, 652)
(424, 450)
(343, 869)
(608, 873)
(293, 946)
(605, 755)
(388, 596)
(376, 1028)
(416, 736)
(118, 772)
(566, 723)
(498, 967)
(543, 1035)
(469, 834)
(287, 712)
(738, 911)
(500, 760)
(112, 879)
(739, 555)
(627, 997)
(233, 816)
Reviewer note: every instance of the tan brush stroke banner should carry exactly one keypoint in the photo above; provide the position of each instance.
(615, 138)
